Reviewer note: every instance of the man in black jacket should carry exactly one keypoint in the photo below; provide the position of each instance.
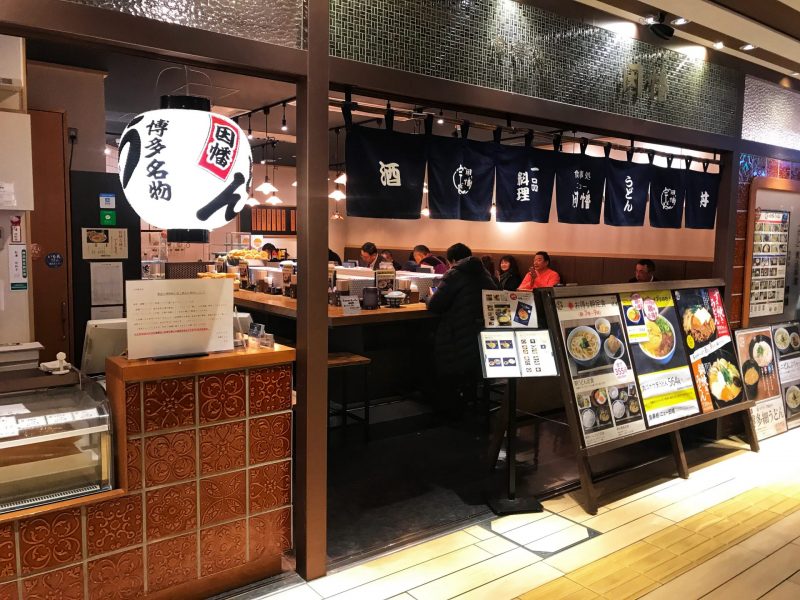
(458, 301)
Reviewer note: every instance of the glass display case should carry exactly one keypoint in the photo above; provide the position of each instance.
(55, 444)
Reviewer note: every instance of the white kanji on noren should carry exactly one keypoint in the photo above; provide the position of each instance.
(628, 194)
(704, 199)
(390, 174)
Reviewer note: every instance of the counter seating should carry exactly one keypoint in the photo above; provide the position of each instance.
(584, 270)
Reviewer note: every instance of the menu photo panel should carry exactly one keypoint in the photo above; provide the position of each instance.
(787, 345)
(759, 369)
(513, 310)
(662, 367)
(769, 262)
(712, 356)
(603, 382)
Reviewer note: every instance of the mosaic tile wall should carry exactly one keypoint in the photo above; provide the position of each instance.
(771, 114)
(751, 166)
(519, 48)
(274, 21)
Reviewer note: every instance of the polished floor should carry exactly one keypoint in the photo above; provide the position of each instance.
(732, 530)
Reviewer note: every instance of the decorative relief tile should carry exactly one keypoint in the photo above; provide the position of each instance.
(270, 486)
(171, 562)
(8, 591)
(63, 584)
(133, 404)
(117, 577)
(270, 389)
(222, 447)
(114, 524)
(270, 533)
(168, 403)
(222, 396)
(8, 561)
(270, 438)
(222, 547)
(222, 498)
(171, 510)
(51, 540)
(134, 451)
(169, 457)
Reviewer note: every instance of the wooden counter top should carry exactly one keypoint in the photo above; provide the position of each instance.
(287, 307)
(147, 368)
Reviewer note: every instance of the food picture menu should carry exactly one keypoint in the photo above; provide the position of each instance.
(787, 345)
(499, 353)
(509, 309)
(768, 271)
(759, 369)
(517, 354)
(705, 331)
(659, 357)
(597, 352)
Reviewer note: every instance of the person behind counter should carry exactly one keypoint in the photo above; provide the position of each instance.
(387, 257)
(273, 252)
(510, 279)
(488, 264)
(645, 272)
(540, 275)
(459, 303)
(369, 255)
(334, 258)
(423, 256)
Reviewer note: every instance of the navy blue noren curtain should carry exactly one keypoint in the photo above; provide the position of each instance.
(702, 194)
(626, 193)
(667, 191)
(579, 188)
(524, 188)
(460, 178)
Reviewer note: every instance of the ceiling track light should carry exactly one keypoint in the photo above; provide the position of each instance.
(747, 47)
(283, 120)
(679, 21)
(440, 120)
(718, 45)
(249, 129)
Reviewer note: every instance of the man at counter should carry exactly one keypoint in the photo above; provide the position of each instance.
(459, 303)
(423, 256)
(540, 275)
(645, 272)
(387, 257)
(369, 255)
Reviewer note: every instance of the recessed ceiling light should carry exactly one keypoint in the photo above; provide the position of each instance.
(718, 45)
(649, 20)
(679, 21)
(747, 47)
(795, 74)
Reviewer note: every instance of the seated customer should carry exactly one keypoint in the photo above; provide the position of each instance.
(540, 275)
(369, 255)
(645, 272)
(423, 256)
(510, 279)
(387, 257)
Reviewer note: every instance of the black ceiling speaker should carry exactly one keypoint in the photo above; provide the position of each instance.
(661, 29)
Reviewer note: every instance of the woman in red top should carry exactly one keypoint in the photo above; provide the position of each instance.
(540, 275)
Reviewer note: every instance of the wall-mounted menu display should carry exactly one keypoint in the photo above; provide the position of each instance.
(787, 344)
(658, 356)
(597, 352)
(705, 331)
(770, 256)
(517, 354)
(509, 309)
(759, 369)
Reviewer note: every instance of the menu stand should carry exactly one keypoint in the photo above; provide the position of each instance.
(510, 504)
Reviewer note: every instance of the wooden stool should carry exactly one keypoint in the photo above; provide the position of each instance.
(343, 360)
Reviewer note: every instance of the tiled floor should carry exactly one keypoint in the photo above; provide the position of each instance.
(732, 530)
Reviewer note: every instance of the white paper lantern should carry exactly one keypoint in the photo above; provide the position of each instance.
(185, 169)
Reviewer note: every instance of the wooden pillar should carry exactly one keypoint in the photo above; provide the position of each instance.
(311, 486)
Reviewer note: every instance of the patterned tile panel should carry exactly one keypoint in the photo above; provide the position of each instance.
(8, 562)
(63, 584)
(270, 533)
(134, 452)
(8, 591)
(168, 403)
(50, 540)
(222, 396)
(171, 562)
(270, 486)
(171, 510)
(270, 438)
(117, 576)
(519, 48)
(270, 389)
(114, 524)
(222, 447)
(133, 405)
(223, 498)
(222, 547)
(169, 457)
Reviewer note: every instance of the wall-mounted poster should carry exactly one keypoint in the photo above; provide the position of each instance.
(759, 369)
(599, 361)
(770, 256)
(705, 331)
(658, 355)
(787, 344)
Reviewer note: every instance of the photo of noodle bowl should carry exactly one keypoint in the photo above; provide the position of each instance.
(583, 345)
(698, 322)
(724, 381)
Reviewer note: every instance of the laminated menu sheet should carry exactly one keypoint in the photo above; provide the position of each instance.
(759, 369)
(787, 345)
(513, 310)
(517, 354)
(769, 261)
(597, 351)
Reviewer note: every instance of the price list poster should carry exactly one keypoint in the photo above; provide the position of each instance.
(759, 368)
(662, 367)
(770, 257)
(600, 370)
(787, 345)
